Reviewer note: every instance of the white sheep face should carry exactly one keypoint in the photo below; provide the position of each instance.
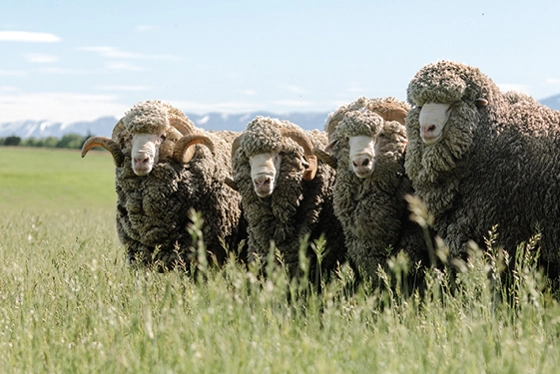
(145, 152)
(264, 172)
(433, 117)
(362, 155)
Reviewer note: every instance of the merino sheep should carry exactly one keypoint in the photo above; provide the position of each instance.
(161, 174)
(370, 188)
(480, 158)
(286, 193)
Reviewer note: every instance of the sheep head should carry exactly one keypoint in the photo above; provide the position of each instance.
(263, 143)
(149, 131)
(363, 132)
(440, 87)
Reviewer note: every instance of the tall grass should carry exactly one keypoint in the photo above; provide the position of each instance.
(69, 303)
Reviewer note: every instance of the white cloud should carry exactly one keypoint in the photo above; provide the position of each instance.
(296, 89)
(24, 36)
(123, 88)
(12, 72)
(222, 107)
(62, 107)
(248, 92)
(146, 28)
(8, 89)
(113, 52)
(41, 58)
(356, 90)
(55, 70)
(293, 103)
(552, 81)
(125, 66)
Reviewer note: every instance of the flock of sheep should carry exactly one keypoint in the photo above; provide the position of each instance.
(477, 158)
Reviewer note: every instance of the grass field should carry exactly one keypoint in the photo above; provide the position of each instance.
(68, 302)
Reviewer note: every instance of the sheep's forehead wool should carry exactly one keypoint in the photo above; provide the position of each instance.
(147, 117)
(358, 123)
(377, 105)
(262, 135)
(448, 82)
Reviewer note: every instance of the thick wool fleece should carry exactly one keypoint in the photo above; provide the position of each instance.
(495, 165)
(153, 210)
(296, 208)
(147, 117)
(389, 108)
(373, 211)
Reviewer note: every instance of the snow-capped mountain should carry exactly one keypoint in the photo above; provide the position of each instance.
(104, 125)
(211, 121)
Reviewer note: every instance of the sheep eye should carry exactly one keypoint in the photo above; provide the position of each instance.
(382, 135)
(163, 137)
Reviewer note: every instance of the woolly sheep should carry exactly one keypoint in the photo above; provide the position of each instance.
(370, 188)
(155, 197)
(286, 194)
(479, 158)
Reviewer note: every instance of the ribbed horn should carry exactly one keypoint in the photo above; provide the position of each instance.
(325, 157)
(119, 127)
(184, 127)
(108, 144)
(236, 144)
(184, 153)
(300, 138)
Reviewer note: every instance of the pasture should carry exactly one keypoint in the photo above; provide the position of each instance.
(69, 303)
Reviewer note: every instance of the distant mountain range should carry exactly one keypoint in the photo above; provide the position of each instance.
(104, 125)
(210, 121)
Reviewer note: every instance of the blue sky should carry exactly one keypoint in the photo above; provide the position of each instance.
(73, 60)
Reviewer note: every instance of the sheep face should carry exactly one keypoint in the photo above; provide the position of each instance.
(433, 117)
(264, 172)
(145, 152)
(362, 155)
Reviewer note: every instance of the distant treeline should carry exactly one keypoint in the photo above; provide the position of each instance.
(74, 141)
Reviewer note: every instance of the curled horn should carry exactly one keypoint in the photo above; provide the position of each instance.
(117, 130)
(325, 157)
(300, 138)
(394, 114)
(108, 144)
(184, 153)
(184, 127)
(236, 144)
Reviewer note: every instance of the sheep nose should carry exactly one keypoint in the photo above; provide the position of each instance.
(262, 182)
(427, 130)
(141, 159)
(361, 163)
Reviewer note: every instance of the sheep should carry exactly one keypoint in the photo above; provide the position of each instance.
(286, 193)
(367, 146)
(161, 175)
(480, 158)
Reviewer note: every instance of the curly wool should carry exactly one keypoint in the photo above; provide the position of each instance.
(153, 211)
(296, 208)
(381, 106)
(495, 165)
(373, 211)
(147, 117)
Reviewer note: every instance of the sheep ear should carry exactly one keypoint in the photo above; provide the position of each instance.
(330, 146)
(231, 183)
(480, 102)
(325, 157)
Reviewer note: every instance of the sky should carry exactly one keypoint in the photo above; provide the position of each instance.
(76, 60)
